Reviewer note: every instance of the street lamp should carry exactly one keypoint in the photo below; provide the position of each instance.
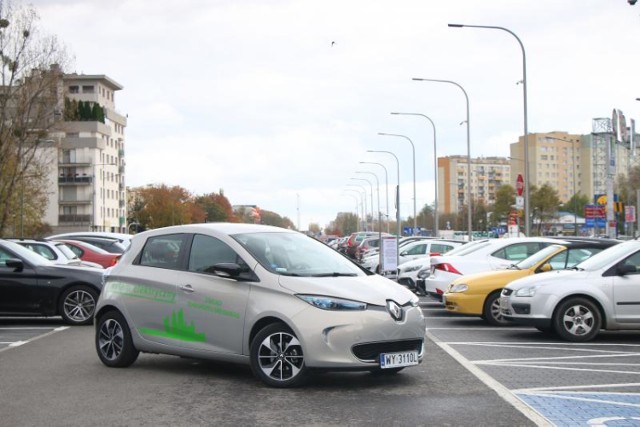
(363, 195)
(575, 208)
(397, 204)
(413, 148)
(386, 187)
(469, 224)
(378, 191)
(371, 187)
(526, 129)
(436, 228)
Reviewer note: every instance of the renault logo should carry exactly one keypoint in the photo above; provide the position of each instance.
(394, 310)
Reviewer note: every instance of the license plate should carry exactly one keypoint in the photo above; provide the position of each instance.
(504, 303)
(398, 360)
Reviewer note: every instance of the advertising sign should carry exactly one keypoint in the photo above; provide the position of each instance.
(629, 214)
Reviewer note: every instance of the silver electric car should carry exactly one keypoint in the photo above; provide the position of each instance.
(275, 299)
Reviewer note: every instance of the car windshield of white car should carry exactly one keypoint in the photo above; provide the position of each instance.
(538, 257)
(609, 255)
(294, 254)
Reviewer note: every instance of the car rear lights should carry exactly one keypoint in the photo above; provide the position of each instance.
(114, 261)
(447, 267)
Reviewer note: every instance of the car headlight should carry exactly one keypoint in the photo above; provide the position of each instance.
(526, 292)
(331, 303)
(423, 274)
(461, 287)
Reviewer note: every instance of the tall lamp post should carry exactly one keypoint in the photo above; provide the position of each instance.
(371, 187)
(469, 224)
(436, 227)
(527, 226)
(386, 187)
(413, 148)
(397, 203)
(377, 190)
(363, 195)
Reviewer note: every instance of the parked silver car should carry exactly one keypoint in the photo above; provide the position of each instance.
(602, 292)
(265, 296)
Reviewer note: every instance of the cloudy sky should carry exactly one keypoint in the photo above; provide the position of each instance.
(254, 97)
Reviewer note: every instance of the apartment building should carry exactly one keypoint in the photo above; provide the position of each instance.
(487, 175)
(90, 193)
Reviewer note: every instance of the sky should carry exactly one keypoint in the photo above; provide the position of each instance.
(276, 102)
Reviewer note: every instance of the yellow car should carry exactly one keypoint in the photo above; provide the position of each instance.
(479, 294)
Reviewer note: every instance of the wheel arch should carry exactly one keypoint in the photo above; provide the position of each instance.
(261, 324)
(71, 285)
(105, 309)
(595, 301)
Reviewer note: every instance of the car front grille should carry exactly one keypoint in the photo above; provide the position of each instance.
(371, 351)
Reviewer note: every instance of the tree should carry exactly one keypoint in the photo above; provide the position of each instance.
(30, 111)
(576, 204)
(217, 207)
(505, 199)
(161, 206)
(345, 223)
(544, 204)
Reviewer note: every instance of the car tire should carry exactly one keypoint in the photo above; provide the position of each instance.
(491, 310)
(78, 305)
(577, 319)
(113, 341)
(277, 357)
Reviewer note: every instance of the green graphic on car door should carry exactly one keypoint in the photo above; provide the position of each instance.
(176, 328)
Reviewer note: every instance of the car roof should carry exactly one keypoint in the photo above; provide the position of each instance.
(222, 227)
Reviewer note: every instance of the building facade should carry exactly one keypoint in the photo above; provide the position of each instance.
(90, 194)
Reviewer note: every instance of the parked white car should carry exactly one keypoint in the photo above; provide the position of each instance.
(488, 255)
(414, 250)
(602, 292)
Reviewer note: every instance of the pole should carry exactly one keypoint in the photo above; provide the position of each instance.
(397, 204)
(436, 227)
(386, 188)
(371, 186)
(413, 148)
(527, 220)
(363, 195)
(469, 204)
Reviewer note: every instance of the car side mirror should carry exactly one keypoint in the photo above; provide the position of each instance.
(403, 253)
(545, 267)
(15, 263)
(625, 269)
(227, 269)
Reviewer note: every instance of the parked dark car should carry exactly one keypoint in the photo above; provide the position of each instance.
(111, 245)
(30, 285)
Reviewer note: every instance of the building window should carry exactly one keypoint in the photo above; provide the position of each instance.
(74, 89)
(88, 89)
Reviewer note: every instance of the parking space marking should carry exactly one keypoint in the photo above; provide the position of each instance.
(14, 344)
(501, 390)
(587, 405)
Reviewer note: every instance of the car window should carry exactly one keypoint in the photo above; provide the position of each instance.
(633, 260)
(79, 252)
(162, 251)
(470, 248)
(518, 251)
(206, 251)
(4, 255)
(41, 250)
(418, 250)
(440, 248)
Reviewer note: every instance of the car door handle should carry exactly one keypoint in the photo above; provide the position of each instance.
(187, 288)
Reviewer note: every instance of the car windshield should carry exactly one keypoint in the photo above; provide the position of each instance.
(609, 256)
(295, 254)
(538, 257)
(67, 252)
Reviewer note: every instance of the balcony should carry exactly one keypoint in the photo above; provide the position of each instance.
(74, 219)
(83, 202)
(75, 180)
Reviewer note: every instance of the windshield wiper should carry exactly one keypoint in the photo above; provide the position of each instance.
(334, 274)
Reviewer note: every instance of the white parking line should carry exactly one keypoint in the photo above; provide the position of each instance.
(14, 344)
(501, 390)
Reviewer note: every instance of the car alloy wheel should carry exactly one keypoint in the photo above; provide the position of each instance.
(113, 341)
(578, 320)
(491, 310)
(78, 305)
(277, 357)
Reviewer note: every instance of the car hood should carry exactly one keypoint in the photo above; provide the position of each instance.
(549, 277)
(373, 289)
(496, 278)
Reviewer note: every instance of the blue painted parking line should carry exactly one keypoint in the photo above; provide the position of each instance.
(586, 408)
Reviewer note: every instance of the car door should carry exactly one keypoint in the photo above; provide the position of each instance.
(19, 290)
(213, 306)
(626, 293)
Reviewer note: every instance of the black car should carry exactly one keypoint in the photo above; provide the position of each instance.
(111, 245)
(31, 285)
